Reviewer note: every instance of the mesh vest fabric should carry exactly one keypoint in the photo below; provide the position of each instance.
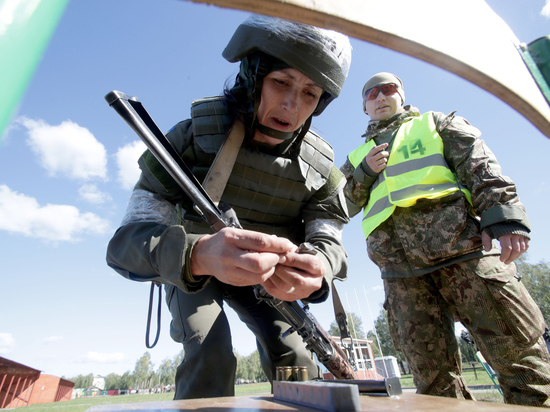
(268, 192)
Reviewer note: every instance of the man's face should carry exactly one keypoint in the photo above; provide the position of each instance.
(288, 99)
(382, 102)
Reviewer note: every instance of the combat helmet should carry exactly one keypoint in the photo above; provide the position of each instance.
(261, 42)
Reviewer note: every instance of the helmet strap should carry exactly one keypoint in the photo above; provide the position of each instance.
(291, 140)
(262, 68)
(288, 145)
(268, 131)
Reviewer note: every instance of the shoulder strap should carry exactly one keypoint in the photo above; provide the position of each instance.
(220, 170)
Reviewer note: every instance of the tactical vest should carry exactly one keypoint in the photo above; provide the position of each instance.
(268, 192)
(416, 169)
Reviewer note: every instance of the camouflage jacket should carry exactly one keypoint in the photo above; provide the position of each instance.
(436, 233)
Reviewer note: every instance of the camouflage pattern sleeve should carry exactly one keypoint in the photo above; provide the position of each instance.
(494, 195)
(355, 193)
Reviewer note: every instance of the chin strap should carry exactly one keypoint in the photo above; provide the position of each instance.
(262, 68)
(286, 143)
(268, 131)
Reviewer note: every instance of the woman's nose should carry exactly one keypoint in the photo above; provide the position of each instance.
(291, 100)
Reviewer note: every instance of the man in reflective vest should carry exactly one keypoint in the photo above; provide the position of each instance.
(433, 198)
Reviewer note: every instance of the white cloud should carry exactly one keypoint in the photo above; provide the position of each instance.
(97, 357)
(542, 188)
(52, 339)
(67, 149)
(546, 9)
(128, 169)
(92, 194)
(23, 215)
(7, 343)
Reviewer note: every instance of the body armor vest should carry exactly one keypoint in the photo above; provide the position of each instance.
(267, 191)
(416, 169)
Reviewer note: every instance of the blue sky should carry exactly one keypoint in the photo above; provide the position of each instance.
(68, 164)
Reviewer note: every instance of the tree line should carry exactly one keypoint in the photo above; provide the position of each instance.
(145, 376)
(536, 277)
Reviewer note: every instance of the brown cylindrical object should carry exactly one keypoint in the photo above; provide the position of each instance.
(295, 372)
(303, 374)
(287, 373)
(279, 373)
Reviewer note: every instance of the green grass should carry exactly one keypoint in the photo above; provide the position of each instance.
(82, 404)
(253, 389)
(482, 378)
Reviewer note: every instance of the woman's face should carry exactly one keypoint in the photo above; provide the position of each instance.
(288, 99)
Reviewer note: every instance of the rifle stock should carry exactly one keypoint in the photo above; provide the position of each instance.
(296, 313)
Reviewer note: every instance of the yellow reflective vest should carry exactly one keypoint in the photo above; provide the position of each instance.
(416, 169)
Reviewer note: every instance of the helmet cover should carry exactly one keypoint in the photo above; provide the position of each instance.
(322, 55)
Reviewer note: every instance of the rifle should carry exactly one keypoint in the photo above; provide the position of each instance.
(296, 313)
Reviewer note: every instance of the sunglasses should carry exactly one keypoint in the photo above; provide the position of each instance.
(386, 89)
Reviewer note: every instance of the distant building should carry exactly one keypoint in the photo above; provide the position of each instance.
(21, 385)
(99, 382)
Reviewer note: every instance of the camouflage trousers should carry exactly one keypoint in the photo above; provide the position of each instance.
(488, 298)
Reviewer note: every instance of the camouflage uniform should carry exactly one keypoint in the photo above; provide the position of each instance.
(435, 270)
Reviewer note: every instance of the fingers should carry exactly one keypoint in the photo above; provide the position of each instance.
(378, 153)
(378, 157)
(487, 241)
(505, 249)
(238, 257)
(256, 241)
(512, 247)
(306, 262)
(379, 147)
(282, 290)
(296, 277)
(261, 264)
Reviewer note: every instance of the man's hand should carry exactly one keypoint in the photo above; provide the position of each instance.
(377, 158)
(296, 276)
(511, 246)
(239, 257)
